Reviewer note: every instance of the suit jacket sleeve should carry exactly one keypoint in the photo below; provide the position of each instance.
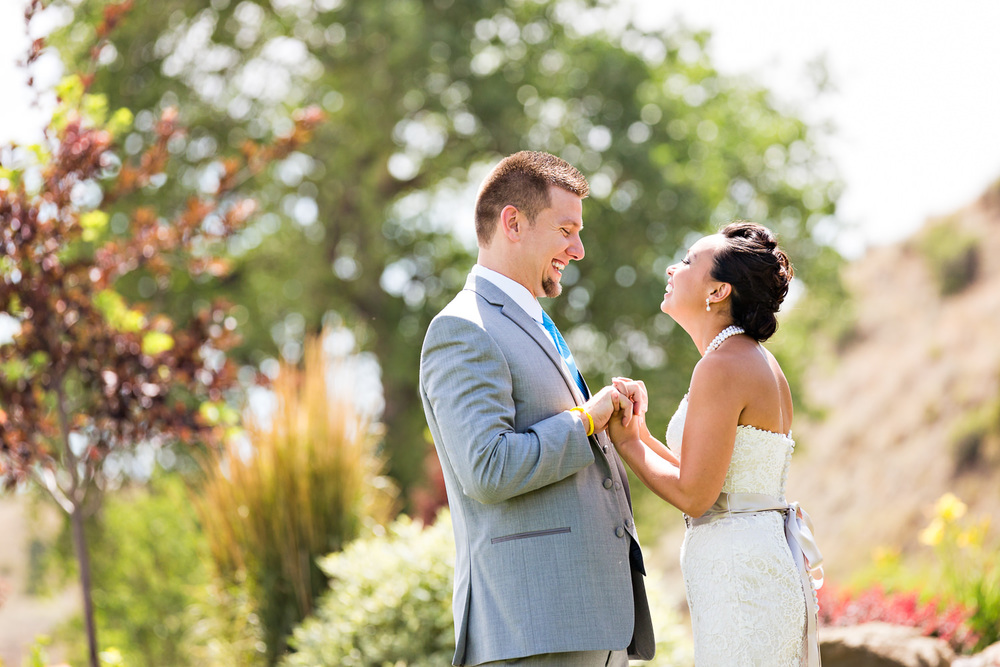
(468, 386)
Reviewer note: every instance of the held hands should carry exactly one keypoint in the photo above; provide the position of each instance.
(623, 401)
(634, 391)
(632, 423)
(605, 403)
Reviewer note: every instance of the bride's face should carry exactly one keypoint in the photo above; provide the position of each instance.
(689, 281)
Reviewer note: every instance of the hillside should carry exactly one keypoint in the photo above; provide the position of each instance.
(910, 402)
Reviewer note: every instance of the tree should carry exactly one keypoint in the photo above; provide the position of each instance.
(422, 96)
(88, 376)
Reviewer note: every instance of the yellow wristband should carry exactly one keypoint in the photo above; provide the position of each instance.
(590, 420)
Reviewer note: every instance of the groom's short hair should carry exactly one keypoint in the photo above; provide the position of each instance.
(522, 180)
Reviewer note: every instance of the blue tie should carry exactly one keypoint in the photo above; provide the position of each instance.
(564, 352)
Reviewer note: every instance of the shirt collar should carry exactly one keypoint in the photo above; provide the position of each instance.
(515, 290)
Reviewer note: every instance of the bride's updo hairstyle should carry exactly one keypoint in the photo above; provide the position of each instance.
(759, 272)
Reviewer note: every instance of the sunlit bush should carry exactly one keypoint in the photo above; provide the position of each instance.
(389, 603)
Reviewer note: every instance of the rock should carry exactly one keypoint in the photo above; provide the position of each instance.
(990, 657)
(882, 645)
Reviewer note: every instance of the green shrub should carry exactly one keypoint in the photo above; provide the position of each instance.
(389, 603)
(971, 437)
(150, 567)
(953, 256)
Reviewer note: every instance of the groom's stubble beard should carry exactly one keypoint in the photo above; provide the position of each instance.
(551, 287)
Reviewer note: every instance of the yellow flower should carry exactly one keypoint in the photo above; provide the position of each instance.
(950, 508)
(886, 556)
(974, 536)
(933, 533)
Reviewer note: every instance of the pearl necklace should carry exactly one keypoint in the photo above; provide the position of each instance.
(732, 330)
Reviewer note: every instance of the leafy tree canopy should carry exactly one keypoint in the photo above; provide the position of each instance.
(370, 225)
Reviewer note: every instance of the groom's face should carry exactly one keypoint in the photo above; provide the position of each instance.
(551, 243)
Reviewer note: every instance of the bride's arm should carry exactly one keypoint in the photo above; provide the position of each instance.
(655, 445)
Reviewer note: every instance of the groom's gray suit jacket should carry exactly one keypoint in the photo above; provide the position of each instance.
(542, 514)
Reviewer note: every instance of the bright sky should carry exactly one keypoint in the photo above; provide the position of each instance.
(916, 102)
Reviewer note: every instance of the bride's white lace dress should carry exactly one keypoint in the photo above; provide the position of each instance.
(747, 602)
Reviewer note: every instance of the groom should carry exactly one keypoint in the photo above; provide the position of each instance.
(548, 568)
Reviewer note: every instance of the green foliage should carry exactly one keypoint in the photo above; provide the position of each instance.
(149, 563)
(422, 96)
(974, 442)
(38, 656)
(969, 564)
(302, 483)
(151, 569)
(964, 568)
(228, 631)
(156, 600)
(389, 603)
(951, 254)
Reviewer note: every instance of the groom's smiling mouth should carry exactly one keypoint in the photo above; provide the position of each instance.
(558, 266)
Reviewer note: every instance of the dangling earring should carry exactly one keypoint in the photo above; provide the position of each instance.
(708, 304)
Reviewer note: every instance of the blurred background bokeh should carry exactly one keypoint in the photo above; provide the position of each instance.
(283, 503)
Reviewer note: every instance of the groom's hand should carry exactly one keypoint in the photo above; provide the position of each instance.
(604, 404)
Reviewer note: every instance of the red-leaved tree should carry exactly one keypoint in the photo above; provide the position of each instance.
(88, 375)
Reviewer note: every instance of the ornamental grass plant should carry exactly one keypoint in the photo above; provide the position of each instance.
(297, 484)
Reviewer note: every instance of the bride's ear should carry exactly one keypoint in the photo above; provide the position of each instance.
(722, 292)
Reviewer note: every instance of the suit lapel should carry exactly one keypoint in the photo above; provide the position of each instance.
(516, 314)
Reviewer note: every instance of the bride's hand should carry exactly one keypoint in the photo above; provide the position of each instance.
(623, 426)
(635, 391)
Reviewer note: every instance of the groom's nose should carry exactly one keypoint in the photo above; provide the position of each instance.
(575, 249)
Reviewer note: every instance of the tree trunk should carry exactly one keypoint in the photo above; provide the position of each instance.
(83, 558)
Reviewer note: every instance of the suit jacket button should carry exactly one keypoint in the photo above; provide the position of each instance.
(608, 483)
(605, 449)
(619, 531)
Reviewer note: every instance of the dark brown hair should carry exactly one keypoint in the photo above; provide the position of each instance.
(522, 180)
(759, 273)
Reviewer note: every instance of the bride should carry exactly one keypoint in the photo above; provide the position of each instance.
(747, 553)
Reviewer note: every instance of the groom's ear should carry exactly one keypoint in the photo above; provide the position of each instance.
(511, 221)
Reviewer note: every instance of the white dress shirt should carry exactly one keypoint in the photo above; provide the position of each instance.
(519, 293)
